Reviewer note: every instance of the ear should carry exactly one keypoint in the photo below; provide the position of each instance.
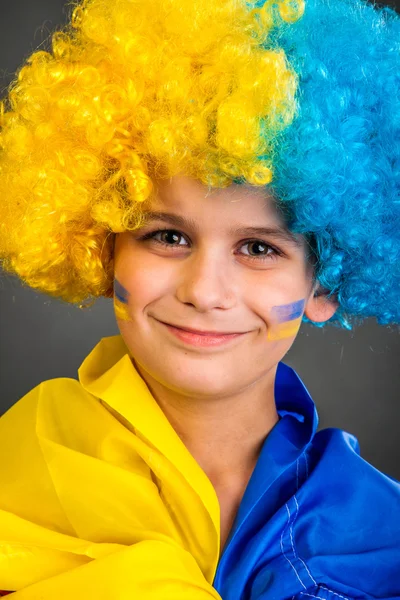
(320, 307)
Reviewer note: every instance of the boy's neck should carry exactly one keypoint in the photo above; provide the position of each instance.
(224, 435)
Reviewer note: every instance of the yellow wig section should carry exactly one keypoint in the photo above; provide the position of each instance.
(133, 89)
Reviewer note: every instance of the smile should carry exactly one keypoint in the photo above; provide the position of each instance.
(201, 338)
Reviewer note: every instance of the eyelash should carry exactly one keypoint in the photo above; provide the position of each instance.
(151, 235)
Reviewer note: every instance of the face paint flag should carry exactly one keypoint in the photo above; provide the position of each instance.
(286, 320)
(121, 296)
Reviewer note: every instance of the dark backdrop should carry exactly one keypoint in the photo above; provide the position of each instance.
(353, 377)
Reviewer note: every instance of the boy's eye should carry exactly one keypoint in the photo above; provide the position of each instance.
(171, 237)
(168, 236)
(259, 244)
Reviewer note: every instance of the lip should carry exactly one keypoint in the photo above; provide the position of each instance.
(196, 338)
(201, 332)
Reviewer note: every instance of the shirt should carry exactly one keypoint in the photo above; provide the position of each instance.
(100, 498)
(316, 519)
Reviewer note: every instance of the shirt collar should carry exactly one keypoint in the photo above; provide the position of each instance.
(292, 398)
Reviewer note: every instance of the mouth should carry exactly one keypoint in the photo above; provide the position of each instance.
(201, 338)
(202, 332)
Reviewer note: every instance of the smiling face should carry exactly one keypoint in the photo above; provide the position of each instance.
(211, 272)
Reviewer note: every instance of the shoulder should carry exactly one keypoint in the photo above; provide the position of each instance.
(20, 421)
(347, 527)
(334, 467)
(46, 391)
(53, 415)
(50, 405)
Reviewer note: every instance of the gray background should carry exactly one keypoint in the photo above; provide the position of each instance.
(353, 377)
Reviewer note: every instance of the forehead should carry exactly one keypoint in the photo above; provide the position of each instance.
(241, 204)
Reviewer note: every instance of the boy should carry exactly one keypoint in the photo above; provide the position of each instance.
(223, 174)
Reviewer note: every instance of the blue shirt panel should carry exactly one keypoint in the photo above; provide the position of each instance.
(316, 520)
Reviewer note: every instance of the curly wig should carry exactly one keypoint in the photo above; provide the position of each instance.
(303, 100)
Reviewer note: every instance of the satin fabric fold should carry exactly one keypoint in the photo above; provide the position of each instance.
(100, 495)
(99, 498)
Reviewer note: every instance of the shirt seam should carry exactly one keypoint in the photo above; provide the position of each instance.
(297, 564)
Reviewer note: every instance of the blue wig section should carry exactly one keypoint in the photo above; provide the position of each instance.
(337, 167)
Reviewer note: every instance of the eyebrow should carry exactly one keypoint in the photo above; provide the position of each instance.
(279, 233)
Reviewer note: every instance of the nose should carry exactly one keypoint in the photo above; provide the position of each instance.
(206, 281)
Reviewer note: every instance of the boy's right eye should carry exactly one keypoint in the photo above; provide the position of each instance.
(152, 235)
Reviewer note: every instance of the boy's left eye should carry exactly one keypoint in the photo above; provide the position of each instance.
(169, 239)
(258, 243)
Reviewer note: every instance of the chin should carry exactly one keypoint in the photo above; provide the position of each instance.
(188, 379)
(198, 386)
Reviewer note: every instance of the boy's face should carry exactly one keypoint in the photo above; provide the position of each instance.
(209, 278)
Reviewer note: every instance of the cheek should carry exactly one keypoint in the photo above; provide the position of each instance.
(121, 301)
(136, 286)
(285, 320)
(280, 304)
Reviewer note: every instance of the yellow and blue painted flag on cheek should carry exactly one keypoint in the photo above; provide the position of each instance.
(121, 301)
(285, 320)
